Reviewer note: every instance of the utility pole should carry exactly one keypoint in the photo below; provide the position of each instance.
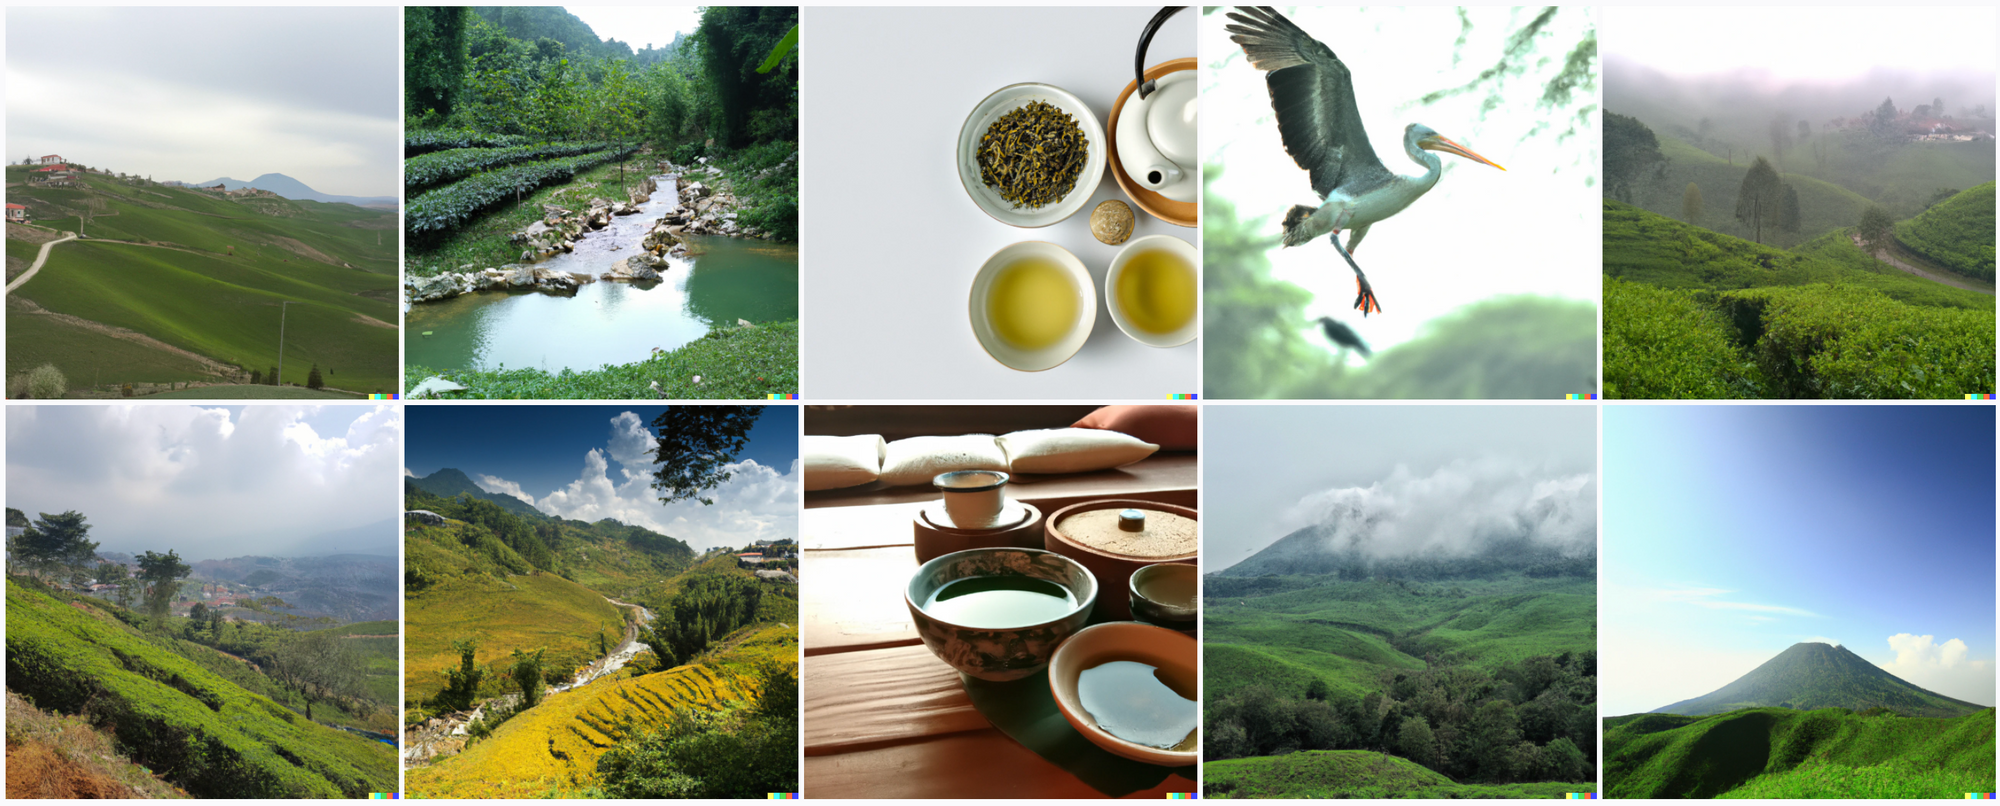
(280, 380)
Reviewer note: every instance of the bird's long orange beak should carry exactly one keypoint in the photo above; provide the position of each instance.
(1440, 143)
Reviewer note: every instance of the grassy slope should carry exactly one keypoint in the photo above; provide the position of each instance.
(1823, 206)
(1821, 320)
(216, 303)
(1338, 632)
(1776, 752)
(1957, 234)
(87, 355)
(56, 756)
(734, 363)
(1353, 774)
(555, 745)
(212, 738)
(540, 611)
(250, 392)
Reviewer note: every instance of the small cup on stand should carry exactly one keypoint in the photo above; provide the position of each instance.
(973, 498)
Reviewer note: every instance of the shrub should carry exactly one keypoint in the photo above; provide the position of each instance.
(313, 379)
(439, 167)
(47, 383)
(451, 206)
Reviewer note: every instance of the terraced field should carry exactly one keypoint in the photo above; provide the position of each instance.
(553, 748)
(529, 612)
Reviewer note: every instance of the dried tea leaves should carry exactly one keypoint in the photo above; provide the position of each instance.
(1033, 155)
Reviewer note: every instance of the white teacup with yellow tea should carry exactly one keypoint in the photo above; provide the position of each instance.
(1152, 291)
(1032, 305)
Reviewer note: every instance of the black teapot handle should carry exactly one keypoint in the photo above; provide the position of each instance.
(1139, 62)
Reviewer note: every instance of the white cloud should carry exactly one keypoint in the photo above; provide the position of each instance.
(207, 482)
(1456, 510)
(495, 484)
(406, 472)
(757, 503)
(1711, 598)
(1944, 667)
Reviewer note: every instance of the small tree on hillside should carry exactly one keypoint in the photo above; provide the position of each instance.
(313, 380)
(57, 544)
(462, 683)
(1877, 227)
(318, 667)
(272, 376)
(162, 573)
(1691, 204)
(527, 674)
(1758, 200)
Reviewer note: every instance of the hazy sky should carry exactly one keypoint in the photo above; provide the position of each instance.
(1733, 532)
(1824, 42)
(193, 94)
(1266, 469)
(589, 462)
(639, 26)
(209, 483)
(1533, 228)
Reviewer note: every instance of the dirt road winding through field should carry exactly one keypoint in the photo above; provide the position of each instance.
(39, 260)
(1936, 277)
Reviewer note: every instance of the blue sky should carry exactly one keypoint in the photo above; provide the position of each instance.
(589, 462)
(1733, 532)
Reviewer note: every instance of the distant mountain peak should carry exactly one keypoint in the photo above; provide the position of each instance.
(1809, 675)
(294, 189)
(450, 482)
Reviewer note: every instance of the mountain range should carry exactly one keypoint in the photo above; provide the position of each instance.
(1814, 675)
(451, 482)
(296, 190)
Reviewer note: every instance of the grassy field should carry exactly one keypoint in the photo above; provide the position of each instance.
(537, 611)
(735, 363)
(1781, 753)
(250, 392)
(1956, 234)
(1354, 774)
(553, 747)
(1348, 632)
(210, 278)
(207, 735)
(1694, 313)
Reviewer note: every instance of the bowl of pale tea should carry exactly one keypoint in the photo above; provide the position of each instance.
(1032, 306)
(999, 613)
(1151, 291)
(1131, 689)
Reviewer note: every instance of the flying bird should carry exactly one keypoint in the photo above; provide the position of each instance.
(1313, 94)
(1339, 333)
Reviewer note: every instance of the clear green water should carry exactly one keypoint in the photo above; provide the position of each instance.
(607, 322)
(1000, 602)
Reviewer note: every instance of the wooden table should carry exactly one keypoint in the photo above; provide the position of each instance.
(883, 717)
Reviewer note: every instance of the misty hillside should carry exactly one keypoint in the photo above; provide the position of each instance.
(451, 482)
(345, 587)
(1810, 676)
(1712, 128)
(1463, 520)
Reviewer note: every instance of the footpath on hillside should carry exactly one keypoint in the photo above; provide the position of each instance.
(1934, 276)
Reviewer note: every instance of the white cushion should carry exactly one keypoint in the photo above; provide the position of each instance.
(917, 460)
(835, 462)
(1072, 450)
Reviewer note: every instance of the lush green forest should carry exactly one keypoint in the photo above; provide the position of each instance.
(502, 101)
(1468, 679)
(1783, 753)
(1693, 313)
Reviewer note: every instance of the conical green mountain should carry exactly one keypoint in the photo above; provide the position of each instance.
(451, 482)
(1810, 676)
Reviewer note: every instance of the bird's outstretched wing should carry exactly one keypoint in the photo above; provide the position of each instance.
(1313, 95)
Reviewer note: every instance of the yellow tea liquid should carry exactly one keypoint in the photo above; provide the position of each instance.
(1032, 304)
(1156, 291)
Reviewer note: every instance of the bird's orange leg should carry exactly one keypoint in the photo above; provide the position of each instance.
(1364, 298)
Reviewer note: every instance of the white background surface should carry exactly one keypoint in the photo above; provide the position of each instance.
(890, 240)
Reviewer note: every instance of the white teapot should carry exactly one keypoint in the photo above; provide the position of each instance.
(1156, 127)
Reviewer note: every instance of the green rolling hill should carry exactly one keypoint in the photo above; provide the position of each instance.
(192, 726)
(1354, 774)
(1823, 206)
(1956, 233)
(176, 285)
(1782, 753)
(1810, 676)
(1693, 313)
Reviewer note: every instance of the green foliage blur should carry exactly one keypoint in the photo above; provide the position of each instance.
(1259, 344)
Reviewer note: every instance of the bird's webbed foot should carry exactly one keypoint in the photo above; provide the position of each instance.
(1364, 298)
